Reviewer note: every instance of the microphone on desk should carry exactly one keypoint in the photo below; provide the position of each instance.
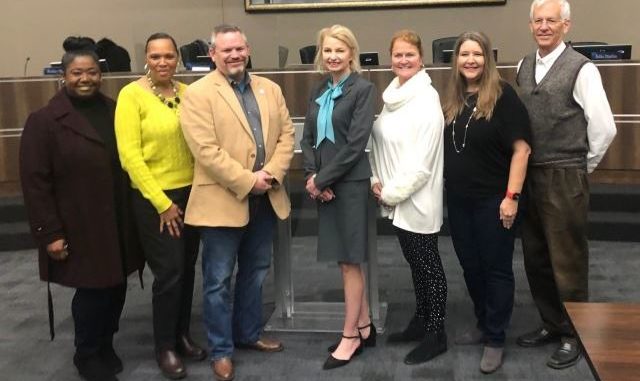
(26, 63)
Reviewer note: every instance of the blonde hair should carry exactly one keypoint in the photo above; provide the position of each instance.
(490, 88)
(341, 33)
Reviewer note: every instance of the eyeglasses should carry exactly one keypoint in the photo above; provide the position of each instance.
(549, 22)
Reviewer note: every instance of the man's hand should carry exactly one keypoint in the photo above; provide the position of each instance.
(263, 182)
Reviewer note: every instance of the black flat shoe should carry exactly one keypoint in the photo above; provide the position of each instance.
(566, 355)
(537, 338)
(333, 362)
(370, 341)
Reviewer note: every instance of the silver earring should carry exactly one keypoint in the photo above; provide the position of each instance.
(146, 69)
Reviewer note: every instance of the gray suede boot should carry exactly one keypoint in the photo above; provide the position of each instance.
(491, 359)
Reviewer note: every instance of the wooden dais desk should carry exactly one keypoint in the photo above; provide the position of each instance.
(610, 336)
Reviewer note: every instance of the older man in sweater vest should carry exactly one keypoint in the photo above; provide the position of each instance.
(572, 126)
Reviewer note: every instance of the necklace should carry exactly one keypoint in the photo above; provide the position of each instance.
(466, 126)
(163, 99)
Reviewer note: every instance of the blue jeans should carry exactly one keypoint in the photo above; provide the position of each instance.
(485, 251)
(251, 245)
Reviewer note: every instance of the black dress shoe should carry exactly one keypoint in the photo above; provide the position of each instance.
(171, 364)
(190, 350)
(333, 362)
(567, 354)
(111, 359)
(414, 332)
(370, 341)
(93, 368)
(433, 344)
(537, 338)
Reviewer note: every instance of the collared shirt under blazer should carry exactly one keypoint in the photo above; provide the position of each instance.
(408, 154)
(220, 138)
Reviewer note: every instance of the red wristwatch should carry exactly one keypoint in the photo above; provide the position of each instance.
(515, 196)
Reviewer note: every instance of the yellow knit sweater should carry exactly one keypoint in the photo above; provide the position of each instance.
(151, 145)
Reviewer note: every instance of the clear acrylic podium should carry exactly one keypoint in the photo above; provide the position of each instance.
(292, 316)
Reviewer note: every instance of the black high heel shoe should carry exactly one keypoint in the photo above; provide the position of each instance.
(370, 341)
(333, 362)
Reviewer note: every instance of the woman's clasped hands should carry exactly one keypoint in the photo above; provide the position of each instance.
(325, 195)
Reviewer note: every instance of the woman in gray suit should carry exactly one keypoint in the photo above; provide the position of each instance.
(336, 131)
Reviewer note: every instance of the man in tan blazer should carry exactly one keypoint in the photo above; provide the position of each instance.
(239, 130)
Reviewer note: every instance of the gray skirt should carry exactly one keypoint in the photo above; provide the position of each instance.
(342, 223)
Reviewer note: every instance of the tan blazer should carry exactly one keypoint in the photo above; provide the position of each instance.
(218, 134)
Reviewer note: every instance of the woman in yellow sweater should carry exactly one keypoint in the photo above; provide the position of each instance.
(153, 151)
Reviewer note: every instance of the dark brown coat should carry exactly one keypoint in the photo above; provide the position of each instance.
(67, 182)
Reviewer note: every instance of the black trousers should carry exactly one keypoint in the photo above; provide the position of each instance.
(96, 316)
(485, 251)
(429, 280)
(172, 262)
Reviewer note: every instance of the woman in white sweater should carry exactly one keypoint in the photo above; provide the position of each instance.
(407, 182)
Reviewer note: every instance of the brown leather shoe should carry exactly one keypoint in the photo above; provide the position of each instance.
(171, 364)
(223, 369)
(188, 349)
(263, 345)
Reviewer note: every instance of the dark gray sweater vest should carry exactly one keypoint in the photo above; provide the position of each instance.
(558, 125)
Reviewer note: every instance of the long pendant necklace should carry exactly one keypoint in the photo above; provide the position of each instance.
(162, 98)
(466, 127)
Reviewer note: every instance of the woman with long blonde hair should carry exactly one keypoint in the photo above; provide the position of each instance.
(486, 152)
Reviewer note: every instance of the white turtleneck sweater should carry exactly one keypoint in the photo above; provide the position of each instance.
(408, 154)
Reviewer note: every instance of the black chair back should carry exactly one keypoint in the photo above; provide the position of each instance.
(307, 54)
(438, 46)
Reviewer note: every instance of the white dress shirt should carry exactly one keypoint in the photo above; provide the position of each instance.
(589, 93)
(407, 155)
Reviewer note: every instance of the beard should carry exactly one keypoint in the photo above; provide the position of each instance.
(237, 73)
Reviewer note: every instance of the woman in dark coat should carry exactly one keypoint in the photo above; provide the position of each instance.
(75, 191)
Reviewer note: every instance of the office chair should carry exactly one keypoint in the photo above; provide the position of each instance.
(441, 44)
(308, 54)
(116, 57)
(192, 50)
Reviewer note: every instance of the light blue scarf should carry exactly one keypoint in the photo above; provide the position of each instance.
(326, 102)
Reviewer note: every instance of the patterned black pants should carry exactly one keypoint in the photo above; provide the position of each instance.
(429, 280)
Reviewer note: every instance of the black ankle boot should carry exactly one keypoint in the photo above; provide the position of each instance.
(433, 344)
(111, 359)
(93, 368)
(414, 332)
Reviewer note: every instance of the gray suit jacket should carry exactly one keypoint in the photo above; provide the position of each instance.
(353, 115)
